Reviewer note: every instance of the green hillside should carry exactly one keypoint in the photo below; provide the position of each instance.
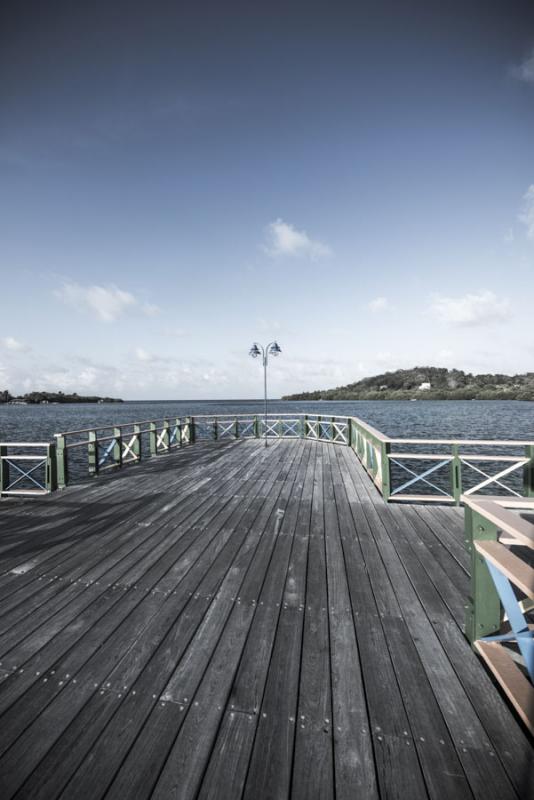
(445, 384)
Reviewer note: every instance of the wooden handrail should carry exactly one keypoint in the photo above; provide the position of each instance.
(520, 529)
(516, 570)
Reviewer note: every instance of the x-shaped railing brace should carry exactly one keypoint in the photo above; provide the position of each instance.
(521, 632)
(25, 474)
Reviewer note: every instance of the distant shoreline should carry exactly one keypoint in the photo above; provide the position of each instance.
(421, 396)
(52, 398)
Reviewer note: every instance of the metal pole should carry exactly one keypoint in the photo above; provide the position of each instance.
(265, 394)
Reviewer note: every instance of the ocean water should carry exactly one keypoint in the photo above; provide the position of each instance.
(466, 419)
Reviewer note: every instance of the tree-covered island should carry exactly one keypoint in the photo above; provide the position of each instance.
(429, 383)
(35, 398)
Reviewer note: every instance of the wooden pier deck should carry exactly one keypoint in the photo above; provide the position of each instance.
(165, 633)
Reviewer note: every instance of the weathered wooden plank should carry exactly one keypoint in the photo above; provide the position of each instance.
(139, 555)
(489, 778)
(113, 528)
(271, 761)
(40, 736)
(512, 567)
(179, 696)
(353, 751)
(133, 713)
(516, 685)
(313, 768)
(448, 529)
(227, 769)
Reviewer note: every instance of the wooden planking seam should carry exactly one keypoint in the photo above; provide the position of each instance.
(354, 762)
(269, 767)
(39, 743)
(130, 489)
(160, 559)
(460, 715)
(449, 537)
(370, 502)
(213, 693)
(454, 597)
(147, 518)
(101, 695)
(40, 665)
(313, 762)
(161, 531)
(400, 770)
(100, 491)
(495, 716)
(193, 676)
(225, 772)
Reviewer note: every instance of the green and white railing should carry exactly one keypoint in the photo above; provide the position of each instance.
(447, 469)
(410, 470)
(500, 539)
(27, 468)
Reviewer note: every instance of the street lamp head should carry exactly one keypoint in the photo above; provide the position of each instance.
(275, 349)
(254, 351)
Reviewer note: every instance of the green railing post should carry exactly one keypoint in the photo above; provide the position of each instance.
(166, 435)
(237, 427)
(332, 429)
(62, 470)
(136, 444)
(179, 431)
(153, 438)
(385, 448)
(117, 447)
(319, 420)
(304, 424)
(92, 453)
(456, 475)
(349, 431)
(256, 428)
(190, 430)
(4, 469)
(483, 616)
(215, 429)
(528, 472)
(51, 468)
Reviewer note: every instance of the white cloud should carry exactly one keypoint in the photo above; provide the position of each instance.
(378, 304)
(269, 325)
(10, 343)
(471, 309)
(284, 239)
(142, 355)
(151, 310)
(174, 331)
(509, 236)
(446, 354)
(527, 214)
(525, 70)
(107, 303)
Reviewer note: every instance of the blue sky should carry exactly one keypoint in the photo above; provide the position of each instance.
(355, 180)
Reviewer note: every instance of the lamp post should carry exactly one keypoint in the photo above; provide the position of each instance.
(273, 349)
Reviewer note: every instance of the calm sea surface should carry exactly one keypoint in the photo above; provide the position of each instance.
(474, 419)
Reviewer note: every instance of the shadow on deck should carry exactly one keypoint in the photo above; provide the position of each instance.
(166, 633)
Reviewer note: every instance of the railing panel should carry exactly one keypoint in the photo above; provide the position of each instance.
(27, 468)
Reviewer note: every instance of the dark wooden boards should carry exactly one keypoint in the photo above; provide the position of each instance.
(234, 621)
